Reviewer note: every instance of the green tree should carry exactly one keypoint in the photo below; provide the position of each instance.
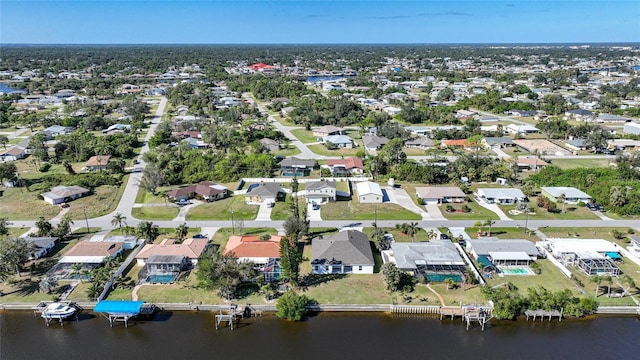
(119, 219)
(8, 171)
(562, 199)
(4, 226)
(93, 291)
(47, 284)
(63, 229)
(392, 276)
(627, 280)
(4, 140)
(488, 223)
(292, 306)
(44, 227)
(290, 259)
(181, 232)
(148, 231)
(14, 252)
(597, 279)
(223, 272)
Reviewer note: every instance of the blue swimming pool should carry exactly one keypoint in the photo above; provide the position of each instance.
(161, 279)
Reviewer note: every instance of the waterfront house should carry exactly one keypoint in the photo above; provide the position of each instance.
(593, 256)
(205, 190)
(347, 252)
(434, 261)
(440, 194)
(60, 194)
(345, 167)
(264, 193)
(191, 249)
(571, 194)
(97, 163)
(88, 255)
(502, 251)
(262, 251)
(320, 192)
(501, 196)
(369, 192)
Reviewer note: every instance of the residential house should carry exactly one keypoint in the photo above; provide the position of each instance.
(502, 252)
(56, 130)
(206, 190)
(374, 143)
(440, 194)
(498, 142)
(190, 248)
(419, 130)
(97, 163)
(593, 256)
(579, 115)
(487, 118)
(345, 167)
(13, 153)
(521, 129)
(571, 194)
(458, 143)
(264, 193)
(369, 192)
(196, 143)
(501, 195)
(392, 110)
(320, 192)
(263, 253)
(116, 128)
(631, 127)
(292, 166)
(612, 118)
(270, 145)
(347, 252)
(465, 114)
(327, 130)
(522, 113)
(92, 252)
(59, 194)
(421, 142)
(577, 144)
(341, 141)
(530, 163)
(435, 261)
(40, 246)
(623, 144)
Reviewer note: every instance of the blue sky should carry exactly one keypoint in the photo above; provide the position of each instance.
(317, 21)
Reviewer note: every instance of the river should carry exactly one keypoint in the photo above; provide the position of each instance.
(192, 335)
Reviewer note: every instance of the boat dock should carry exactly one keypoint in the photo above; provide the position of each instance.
(539, 313)
(123, 311)
(41, 310)
(234, 315)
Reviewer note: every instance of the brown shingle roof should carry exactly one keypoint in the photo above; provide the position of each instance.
(95, 248)
(101, 160)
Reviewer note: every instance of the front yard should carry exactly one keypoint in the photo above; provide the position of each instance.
(477, 212)
(221, 210)
(571, 212)
(20, 204)
(155, 212)
(352, 210)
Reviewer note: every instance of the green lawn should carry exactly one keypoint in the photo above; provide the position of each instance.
(322, 150)
(350, 289)
(20, 204)
(341, 210)
(304, 136)
(421, 234)
(221, 210)
(104, 200)
(155, 213)
(586, 233)
(145, 197)
(282, 209)
(580, 163)
(290, 151)
(342, 186)
(550, 278)
(477, 212)
(503, 233)
(16, 231)
(571, 212)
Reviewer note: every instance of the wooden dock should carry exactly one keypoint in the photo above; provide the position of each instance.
(542, 314)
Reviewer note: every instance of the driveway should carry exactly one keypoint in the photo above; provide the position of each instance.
(400, 197)
(314, 215)
(182, 214)
(434, 212)
(493, 207)
(264, 213)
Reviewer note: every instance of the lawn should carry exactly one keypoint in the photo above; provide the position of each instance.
(282, 209)
(169, 233)
(104, 200)
(145, 197)
(28, 170)
(421, 234)
(222, 210)
(571, 212)
(590, 287)
(586, 233)
(155, 212)
(503, 233)
(322, 150)
(16, 231)
(342, 186)
(290, 151)
(580, 163)
(414, 151)
(341, 210)
(349, 289)
(20, 204)
(304, 136)
(477, 212)
(550, 278)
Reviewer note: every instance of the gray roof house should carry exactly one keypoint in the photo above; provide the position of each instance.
(341, 141)
(435, 260)
(320, 191)
(420, 142)
(571, 194)
(503, 252)
(270, 144)
(440, 194)
(264, 193)
(576, 144)
(501, 195)
(292, 166)
(346, 252)
(60, 194)
(498, 141)
(374, 142)
(40, 246)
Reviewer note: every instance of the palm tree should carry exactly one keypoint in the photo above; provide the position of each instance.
(47, 284)
(626, 279)
(93, 291)
(181, 232)
(449, 282)
(561, 198)
(412, 229)
(148, 231)
(489, 223)
(598, 280)
(119, 219)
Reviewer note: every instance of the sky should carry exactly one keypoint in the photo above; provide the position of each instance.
(317, 22)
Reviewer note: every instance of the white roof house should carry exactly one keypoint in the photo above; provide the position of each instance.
(369, 192)
(522, 129)
(571, 194)
(501, 195)
(564, 246)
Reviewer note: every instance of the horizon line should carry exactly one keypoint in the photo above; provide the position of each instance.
(321, 44)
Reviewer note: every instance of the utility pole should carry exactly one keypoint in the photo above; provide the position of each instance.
(526, 220)
(86, 219)
(233, 227)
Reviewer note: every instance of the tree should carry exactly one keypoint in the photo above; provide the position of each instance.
(68, 167)
(119, 219)
(14, 252)
(488, 223)
(562, 199)
(290, 259)
(148, 231)
(223, 272)
(450, 283)
(47, 284)
(44, 227)
(412, 229)
(626, 279)
(151, 179)
(181, 232)
(598, 280)
(618, 196)
(292, 306)
(392, 276)
(4, 140)
(8, 171)
(4, 226)
(94, 290)
(63, 229)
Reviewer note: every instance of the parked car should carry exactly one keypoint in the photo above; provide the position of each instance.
(183, 202)
(199, 236)
(316, 207)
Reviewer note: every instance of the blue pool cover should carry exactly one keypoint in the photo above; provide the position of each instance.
(119, 307)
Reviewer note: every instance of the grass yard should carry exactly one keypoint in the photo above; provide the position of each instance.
(342, 186)
(469, 295)
(603, 289)
(320, 149)
(28, 170)
(304, 136)
(104, 200)
(503, 233)
(586, 233)
(571, 212)
(341, 210)
(221, 210)
(145, 197)
(550, 278)
(421, 234)
(580, 163)
(282, 209)
(477, 212)
(16, 231)
(290, 151)
(20, 204)
(155, 212)
(350, 289)
(414, 151)
(170, 233)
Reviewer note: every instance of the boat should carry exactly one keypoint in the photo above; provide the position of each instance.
(58, 310)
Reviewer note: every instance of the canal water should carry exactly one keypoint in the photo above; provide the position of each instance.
(192, 335)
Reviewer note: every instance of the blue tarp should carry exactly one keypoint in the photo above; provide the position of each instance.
(119, 307)
(613, 255)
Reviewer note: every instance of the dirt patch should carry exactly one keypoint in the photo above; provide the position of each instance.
(545, 147)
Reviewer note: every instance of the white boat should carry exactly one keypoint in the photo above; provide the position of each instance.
(58, 310)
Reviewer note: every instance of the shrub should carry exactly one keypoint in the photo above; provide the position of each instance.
(292, 306)
(466, 208)
(45, 167)
(450, 208)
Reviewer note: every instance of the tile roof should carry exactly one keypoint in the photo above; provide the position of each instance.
(94, 248)
(348, 163)
(98, 160)
(190, 248)
(253, 247)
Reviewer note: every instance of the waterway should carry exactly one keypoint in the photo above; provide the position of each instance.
(7, 89)
(192, 335)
